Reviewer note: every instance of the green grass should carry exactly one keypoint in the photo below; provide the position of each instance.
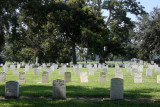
(64, 103)
(33, 88)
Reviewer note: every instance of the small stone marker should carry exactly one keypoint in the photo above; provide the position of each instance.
(45, 77)
(102, 77)
(134, 71)
(5, 68)
(95, 65)
(119, 75)
(77, 71)
(18, 66)
(68, 77)
(36, 71)
(151, 66)
(16, 71)
(80, 66)
(49, 71)
(138, 78)
(52, 68)
(148, 72)
(91, 71)
(44, 66)
(59, 89)
(27, 68)
(116, 92)
(158, 78)
(12, 89)
(157, 69)
(40, 69)
(129, 69)
(61, 71)
(22, 77)
(140, 68)
(83, 76)
(2, 76)
(105, 70)
(99, 66)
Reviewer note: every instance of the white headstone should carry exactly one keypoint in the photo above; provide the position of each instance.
(52, 68)
(134, 71)
(61, 71)
(158, 78)
(22, 77)
(140, 68)
(83, 77)
(36, 71)
(44, 66)
(105, 70)
(138, 78)
(5, 68)
(49, 71)
(119, 75)
(116, 91)
(12, 89)
(16, 71)
(134, 66)
(91, 71)
(59, 89)
(102, 77)
(99, 66)
(27, 68)
(2, 76)
(18, 66)
(157, 69)
(45, 77)
(95, 65)
(77, 71)
(129, 69)
(68, 76)
(149, 72)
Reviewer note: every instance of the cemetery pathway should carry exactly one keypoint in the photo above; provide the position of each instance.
(87, 99)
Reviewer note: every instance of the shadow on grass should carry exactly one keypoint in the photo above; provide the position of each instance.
(64, 103)
(78, 91)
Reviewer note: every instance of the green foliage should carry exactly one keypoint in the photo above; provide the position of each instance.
(148, 35)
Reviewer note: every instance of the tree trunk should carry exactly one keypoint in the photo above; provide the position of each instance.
(74, 53)
(101, 60)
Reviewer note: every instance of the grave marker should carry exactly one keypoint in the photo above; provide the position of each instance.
(36, 71)
(22, 77)
(2, 76)
(12, 89)
(102, 77)
(116, 91)
(45, 77)
(59, 89)
(158, 78)
(68, 77)
(138, 78)
(83, 76)
(148, 72)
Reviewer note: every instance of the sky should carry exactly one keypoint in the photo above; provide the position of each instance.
(148, 4)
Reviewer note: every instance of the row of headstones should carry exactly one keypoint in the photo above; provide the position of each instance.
(136, 73)
(59, 89)
(45, 77)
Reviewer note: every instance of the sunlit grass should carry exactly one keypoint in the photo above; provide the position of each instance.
(34, 88)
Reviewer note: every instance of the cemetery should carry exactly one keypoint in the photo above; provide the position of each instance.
(79, 53)
(106, 84)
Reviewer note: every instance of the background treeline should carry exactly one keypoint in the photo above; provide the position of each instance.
(54, 30)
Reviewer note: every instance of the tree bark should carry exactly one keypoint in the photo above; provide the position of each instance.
(74, 53)
(101, 60)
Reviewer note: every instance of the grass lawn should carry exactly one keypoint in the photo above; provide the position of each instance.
(33, 88)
